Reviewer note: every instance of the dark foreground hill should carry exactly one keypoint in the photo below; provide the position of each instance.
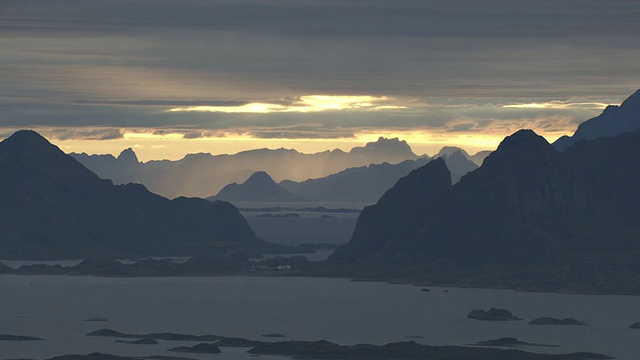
(53, 207)
(530, 217)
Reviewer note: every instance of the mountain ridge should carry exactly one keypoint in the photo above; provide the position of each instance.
(613, 120)
(529, 217)
(54, 207)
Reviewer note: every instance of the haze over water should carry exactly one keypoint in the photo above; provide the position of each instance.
(55, 307)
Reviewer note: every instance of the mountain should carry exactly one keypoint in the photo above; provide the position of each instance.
(458, 163)
(477, 158)
(53, 207)
(109, 167)
(205, 174)
(396, 216)
(528, 217)
(614, 120)
(259, 187)
(367, 183)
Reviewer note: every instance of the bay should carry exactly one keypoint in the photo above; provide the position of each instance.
(55, 308)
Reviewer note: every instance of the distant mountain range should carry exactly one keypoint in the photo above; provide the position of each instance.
(203, 175)
(363, 184)
(52, 207)
(529, 217)
(614, 120)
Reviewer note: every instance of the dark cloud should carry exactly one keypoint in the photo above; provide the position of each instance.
(123, 64)
(84, 134)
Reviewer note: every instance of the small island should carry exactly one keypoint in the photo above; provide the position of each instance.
(6, 337)
(139, 342)
(492, 314)
(507, 342)
(554, 321)
(202, 348)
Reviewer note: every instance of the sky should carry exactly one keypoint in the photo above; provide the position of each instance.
(170, 77)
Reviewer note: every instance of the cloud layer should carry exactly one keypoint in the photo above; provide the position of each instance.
(89, 69)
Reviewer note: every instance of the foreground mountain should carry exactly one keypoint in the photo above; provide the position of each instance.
(204, 174)
(53, 207)
(529, 217)
(260, 187)
(614, 120)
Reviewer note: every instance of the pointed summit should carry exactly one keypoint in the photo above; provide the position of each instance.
(29, 143)
(27, 156)
(128, 156)
(258, 187)
(259, 178)
(53, 207)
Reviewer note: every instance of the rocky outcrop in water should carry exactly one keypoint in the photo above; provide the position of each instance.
(408, 350)
(6, 337)
(554, 321)
(139, 342)
(202, 348)
(492, 314)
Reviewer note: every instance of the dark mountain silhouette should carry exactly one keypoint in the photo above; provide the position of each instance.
(204, 174)
(399, 213)
(529, 216)
(614, 120)
(259, 187)
(53, 207)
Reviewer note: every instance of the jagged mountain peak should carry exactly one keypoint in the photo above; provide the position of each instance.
(383, 143)
(393, 147)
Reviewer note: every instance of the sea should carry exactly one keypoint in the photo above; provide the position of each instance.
(56, 308)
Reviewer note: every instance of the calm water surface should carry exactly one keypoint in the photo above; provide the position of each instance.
(55, 307)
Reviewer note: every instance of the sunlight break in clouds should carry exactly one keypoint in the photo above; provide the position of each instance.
(558, 104)
(309, 103)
